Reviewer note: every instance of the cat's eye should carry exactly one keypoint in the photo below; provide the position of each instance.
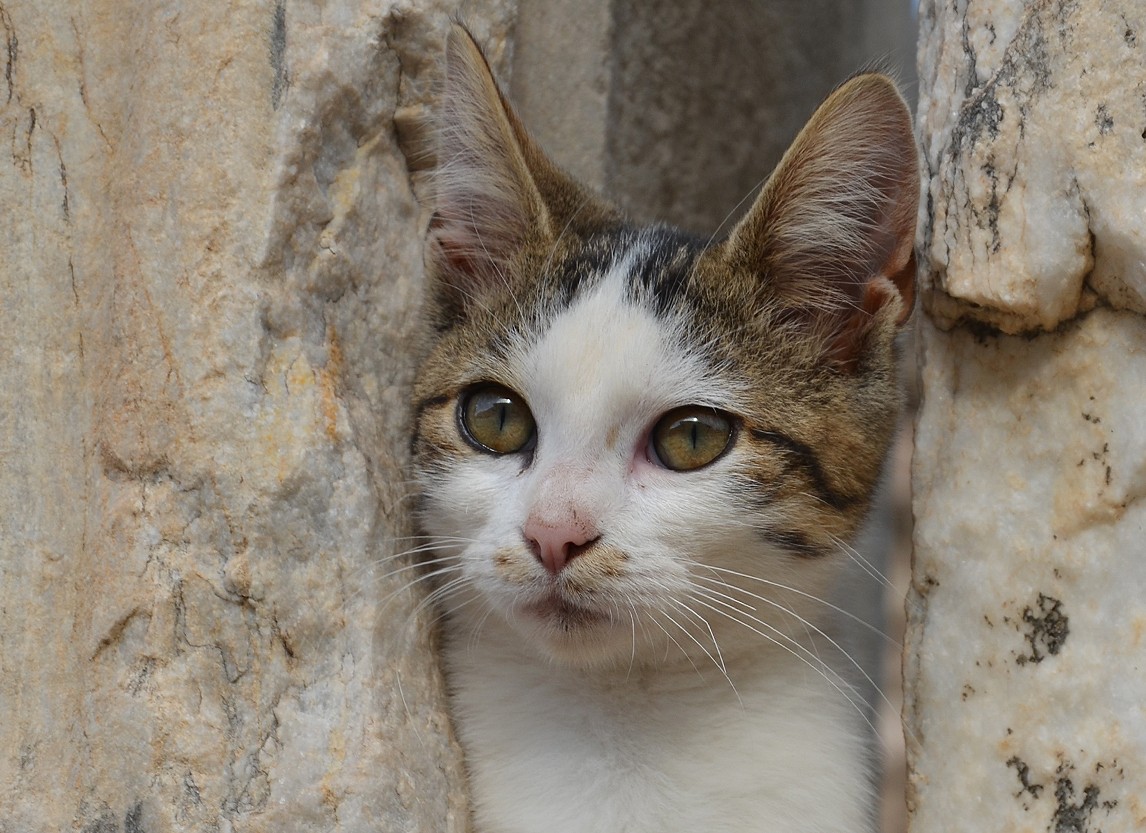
(691, 437)
(495, 419)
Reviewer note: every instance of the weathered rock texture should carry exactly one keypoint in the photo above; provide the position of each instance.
(1025, 673)
(211, 256)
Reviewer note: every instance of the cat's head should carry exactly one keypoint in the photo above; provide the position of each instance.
(627, 439)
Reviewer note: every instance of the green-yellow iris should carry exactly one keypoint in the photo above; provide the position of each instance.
(691, 437)
(496, 419)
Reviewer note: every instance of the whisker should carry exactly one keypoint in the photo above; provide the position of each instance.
(718, 663)
(779, 586)
(735, 208)
(451, 568)
(821, 634)
(442, 592)
(686, 654)
(823, 669)
(864, 564)
(719, 657)
(361, 587)
(373, 564)
(633, 652)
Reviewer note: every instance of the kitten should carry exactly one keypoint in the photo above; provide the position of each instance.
(641, 458)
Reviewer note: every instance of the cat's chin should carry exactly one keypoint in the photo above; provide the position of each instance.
(556, 611)
(572, 635)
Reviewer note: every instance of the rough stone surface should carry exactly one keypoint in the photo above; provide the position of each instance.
(1035, 136)
(1025, 670)
(211, 264)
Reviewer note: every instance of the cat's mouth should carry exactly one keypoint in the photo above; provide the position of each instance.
(556, 609)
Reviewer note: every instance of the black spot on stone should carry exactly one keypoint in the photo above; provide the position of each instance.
(984, 334)
(133, 821)
(1072, 815)
(982, 115)
(105, 823)
(1047, 629)
(993, 206)
(13, 49)
(190, 788)
(1103, 120)
(1024, 773)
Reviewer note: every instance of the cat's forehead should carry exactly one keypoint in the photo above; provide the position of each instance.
(619, 350)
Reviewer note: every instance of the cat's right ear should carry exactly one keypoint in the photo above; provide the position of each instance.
(831, 236)
(487, 204)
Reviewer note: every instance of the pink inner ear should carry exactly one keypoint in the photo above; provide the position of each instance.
(904, 281)
(456, 253)
(846, 344)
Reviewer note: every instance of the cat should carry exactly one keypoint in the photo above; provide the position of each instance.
(641, 457)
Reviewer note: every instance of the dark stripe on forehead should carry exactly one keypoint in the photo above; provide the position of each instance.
(588, 263)
(805, 458)
(661, 277)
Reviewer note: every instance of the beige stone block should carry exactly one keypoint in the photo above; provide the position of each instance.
(1026, 688)
(211, 268)
(1033, 134)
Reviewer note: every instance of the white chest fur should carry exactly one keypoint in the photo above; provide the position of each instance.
(554, 750)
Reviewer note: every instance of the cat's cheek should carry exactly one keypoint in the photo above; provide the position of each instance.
(511, 565)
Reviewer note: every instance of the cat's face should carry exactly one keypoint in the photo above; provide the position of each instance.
(583, 490)
(628, 443)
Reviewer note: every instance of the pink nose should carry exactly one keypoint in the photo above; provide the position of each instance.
(555, 545)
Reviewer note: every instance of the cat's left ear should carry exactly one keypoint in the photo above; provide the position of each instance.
(495, 192)
(831, 236)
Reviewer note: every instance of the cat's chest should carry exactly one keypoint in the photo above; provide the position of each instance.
(554, 756)
(555, 751)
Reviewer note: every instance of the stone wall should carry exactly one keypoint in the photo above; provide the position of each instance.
(211, 262)
(1025, 664)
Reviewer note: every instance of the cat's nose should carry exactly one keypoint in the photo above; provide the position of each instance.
(555, 545)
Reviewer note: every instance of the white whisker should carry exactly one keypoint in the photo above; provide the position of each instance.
(834, 679)
(865, 565)
(786, 588)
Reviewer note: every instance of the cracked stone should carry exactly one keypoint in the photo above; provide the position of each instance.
(208, 291)
(1029, 473)
(1044, 150)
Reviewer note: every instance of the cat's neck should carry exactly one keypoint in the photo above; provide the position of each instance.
(642, 741)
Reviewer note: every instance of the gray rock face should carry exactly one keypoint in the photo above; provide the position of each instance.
(1024, 671)
(210, 274)
(1033, 122)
